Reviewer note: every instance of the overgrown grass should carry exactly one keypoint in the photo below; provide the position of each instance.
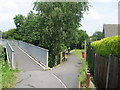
(7, 75)
(78, 53)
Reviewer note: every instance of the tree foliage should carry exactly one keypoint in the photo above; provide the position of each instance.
(53, 26)
(10, 34)
(96, 36)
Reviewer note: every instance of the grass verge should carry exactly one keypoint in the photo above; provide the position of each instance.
(7, 75)
(78, 53)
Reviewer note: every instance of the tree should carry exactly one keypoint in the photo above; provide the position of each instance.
(19, 20)
(54, 26)
(60, 21)
(10, 34)
(96, 36)
(82, 37)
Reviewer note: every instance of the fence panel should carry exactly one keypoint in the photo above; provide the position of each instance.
(113, 75)
(101, 66)
(119, 73)
(40, 54)
(106, 70)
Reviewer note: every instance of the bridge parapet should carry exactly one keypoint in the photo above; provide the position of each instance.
(9, 52)
(38, 53)
(10, 55)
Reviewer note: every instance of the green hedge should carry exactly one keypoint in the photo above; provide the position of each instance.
(106, 46)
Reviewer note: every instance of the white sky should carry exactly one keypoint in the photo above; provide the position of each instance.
(101, 12)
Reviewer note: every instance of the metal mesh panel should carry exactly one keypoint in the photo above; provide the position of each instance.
(40, 54)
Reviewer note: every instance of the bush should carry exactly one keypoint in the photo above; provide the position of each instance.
(107, 46)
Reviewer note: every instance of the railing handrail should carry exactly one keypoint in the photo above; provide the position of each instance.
(10, 46)
(38, 53)
(10, 55)
(35, 46)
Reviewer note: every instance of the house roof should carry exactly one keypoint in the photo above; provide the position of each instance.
(110, 30)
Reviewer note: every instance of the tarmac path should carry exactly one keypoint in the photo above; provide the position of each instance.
(33, 76)
(69, 72)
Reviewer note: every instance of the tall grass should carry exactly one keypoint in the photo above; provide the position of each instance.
(7, 75)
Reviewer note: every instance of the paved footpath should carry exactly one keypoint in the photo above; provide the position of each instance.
(33, 76)
(23, 62)
(68, 72)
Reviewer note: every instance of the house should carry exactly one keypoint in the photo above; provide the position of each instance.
(110, 30)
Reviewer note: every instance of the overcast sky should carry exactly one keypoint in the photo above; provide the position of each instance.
(101, 12)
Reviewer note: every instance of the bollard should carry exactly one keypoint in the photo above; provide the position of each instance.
(83, 55)
(87, 78)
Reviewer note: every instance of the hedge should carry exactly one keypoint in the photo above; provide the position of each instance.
(106, 46)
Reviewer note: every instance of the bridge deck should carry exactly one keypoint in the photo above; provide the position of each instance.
(23, 62)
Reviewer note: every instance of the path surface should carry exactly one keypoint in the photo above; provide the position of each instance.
(23, 62)
(33, 76)
(38, 79)
(68, 72)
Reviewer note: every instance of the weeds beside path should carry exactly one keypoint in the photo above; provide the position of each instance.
(78, 53)
(7, 75)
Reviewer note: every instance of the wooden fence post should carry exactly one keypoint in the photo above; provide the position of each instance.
(108, 71)
(60, 57)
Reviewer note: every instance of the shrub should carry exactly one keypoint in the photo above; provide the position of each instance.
(107, 46)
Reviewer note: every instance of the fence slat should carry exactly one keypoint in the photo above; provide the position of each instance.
(113, 75)
(106, 70)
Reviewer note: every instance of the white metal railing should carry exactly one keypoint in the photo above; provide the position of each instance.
(10, 55)
(38, 53)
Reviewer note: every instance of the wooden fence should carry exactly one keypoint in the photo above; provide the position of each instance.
(63, 57)
(106, 70)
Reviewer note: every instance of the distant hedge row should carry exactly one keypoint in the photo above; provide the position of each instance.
(106, 46)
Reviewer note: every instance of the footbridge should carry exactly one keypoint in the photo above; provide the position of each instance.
(25, 56)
